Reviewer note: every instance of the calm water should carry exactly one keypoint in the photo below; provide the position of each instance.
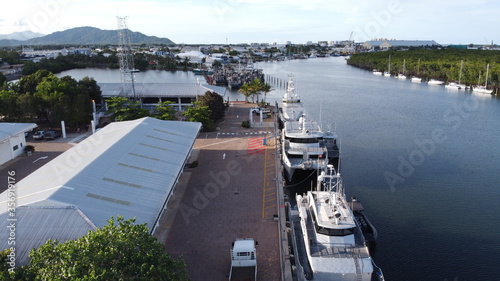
(423, 160)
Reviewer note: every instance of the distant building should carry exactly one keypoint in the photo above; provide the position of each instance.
(128, 168)
(12, 139)
(387, 44)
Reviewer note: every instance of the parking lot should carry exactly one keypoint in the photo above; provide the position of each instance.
(45, 151)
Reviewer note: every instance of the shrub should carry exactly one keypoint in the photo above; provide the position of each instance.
(245, 124)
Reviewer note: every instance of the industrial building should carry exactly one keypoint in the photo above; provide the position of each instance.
(127, 168)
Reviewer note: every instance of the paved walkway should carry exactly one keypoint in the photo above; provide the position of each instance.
(231, 194)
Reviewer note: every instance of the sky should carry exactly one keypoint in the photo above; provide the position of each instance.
(266, 21)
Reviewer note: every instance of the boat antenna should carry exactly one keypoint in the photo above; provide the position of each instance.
(340, 149)
(320, 111)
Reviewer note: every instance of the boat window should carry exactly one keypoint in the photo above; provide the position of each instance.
(304, 140)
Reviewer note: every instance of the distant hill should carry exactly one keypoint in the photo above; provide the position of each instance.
(86, 36)
(23, 35)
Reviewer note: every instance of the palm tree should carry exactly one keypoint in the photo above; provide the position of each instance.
(256, 86)
(266, 88)
(246, 90)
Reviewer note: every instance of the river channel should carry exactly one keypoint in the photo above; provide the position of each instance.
(423, 160)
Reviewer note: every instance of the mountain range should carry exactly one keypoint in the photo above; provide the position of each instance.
(83, 36)
(24, 35)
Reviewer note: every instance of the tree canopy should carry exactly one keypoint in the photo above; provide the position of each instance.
(215, 102)
(200, 113)
(45, 98)
(123, 109)
(121, 250)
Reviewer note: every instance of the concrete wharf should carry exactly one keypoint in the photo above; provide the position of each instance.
(234, 192)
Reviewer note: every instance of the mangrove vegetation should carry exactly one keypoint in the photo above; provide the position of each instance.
(442, 64)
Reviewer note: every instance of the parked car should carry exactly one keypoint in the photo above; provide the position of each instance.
(51, 135)
(38, 135)
(264, 110)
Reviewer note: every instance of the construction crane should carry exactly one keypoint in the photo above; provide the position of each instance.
(348, 45)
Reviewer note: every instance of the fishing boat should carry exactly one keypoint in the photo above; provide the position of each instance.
(330, 243)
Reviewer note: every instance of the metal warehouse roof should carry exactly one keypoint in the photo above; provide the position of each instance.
(7, 130)
(162, 89)
(35, 225)
(127, 168)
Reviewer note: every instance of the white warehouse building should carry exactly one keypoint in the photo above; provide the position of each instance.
(127, 168)
(12, 139)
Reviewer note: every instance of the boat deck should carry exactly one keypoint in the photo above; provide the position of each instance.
(333, 250)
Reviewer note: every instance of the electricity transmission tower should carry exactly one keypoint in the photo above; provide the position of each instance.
(126, 59)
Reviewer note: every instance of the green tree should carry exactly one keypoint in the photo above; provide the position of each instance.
(123, 109)
(164, 111)
(200, 113)
(3, 79)
(246, 90)
(29, 83)
(215, 102)
(121, 250)
(9, 112)
(91, 87)
(256, 88)
(54, 104)
(266, 88)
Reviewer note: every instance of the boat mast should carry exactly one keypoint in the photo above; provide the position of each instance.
(486, 83)
(460, 74)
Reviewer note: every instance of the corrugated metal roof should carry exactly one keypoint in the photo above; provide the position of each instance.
(35, 225)
(7, 130)
(162, 89)
(127, 168)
